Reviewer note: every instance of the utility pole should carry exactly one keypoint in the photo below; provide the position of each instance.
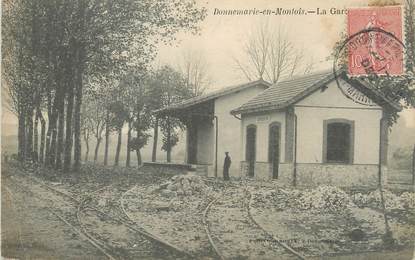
(413, 166)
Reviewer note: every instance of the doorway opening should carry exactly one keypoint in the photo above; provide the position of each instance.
(274, 148)
(250, 152)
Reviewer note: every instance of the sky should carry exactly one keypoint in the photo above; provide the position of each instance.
(221, 39)
(222, 36)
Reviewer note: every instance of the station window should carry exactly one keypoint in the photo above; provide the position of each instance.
(338, 141)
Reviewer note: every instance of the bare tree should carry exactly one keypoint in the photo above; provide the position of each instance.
(270, 54)
(309, 66)
(296, 62)
(282, 55)
(256, 50)
(195, 70)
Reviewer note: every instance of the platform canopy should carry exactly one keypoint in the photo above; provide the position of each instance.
(203, 105)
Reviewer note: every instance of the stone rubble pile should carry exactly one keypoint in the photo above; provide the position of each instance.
(183, 185)
(322, 198)
(392, 200)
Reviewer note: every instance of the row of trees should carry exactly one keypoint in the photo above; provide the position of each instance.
(58, 55)
(130, 105)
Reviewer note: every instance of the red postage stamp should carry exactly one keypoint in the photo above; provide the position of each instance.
(375, 41)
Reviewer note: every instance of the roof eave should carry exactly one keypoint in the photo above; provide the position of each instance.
(212, 97)
(240, 111)
(392, 104)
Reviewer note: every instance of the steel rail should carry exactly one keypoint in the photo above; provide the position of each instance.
(276, 239)
(91, 240)
(148, 234)
(207, 229)
(142, 232)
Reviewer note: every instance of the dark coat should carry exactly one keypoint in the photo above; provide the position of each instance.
(226, 166)
(227, 162)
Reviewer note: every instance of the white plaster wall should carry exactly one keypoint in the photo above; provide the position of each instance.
(262, 122)
(229, 134)
(206, 142)
(331, 104)
(332, 96)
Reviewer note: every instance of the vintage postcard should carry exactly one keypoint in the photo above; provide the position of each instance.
(208, 129)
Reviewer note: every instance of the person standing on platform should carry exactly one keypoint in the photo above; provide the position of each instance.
(226, 166)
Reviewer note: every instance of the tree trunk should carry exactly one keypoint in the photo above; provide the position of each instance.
(42, 136)
(138, 153)
(54, 111)
(21, 136)
(49, 133)
(107, 139)
(29, 135)
(80, 53)
(97, 149)
(86, 140)
(52, 131)
(36, 140)
(413, 166)
(155, 139)
(72, 80)
(77, 134)
(168, 140)
(77, 119)
(127, 162)
(36, 130)
(117, 152)
(52, 147)
(47, 147)
(61, 130)
(68, 139)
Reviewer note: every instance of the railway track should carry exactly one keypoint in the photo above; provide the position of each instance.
(195, 255)
(87, 214)
(208, 230)
(206, 249)
(223, 245)
(122, 203)
(84, 211)
(65, 217)
(274, 238)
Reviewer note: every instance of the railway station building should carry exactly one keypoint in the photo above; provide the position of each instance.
(211, 130)
(308, 130)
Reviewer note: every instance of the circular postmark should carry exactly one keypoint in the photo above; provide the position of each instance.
(371, 52)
